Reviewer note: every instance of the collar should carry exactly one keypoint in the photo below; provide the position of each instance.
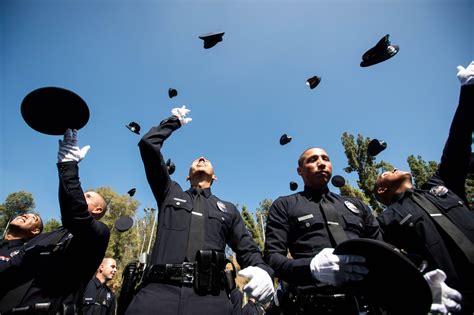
(12, 243)
(206, 192)
(407, 193)
(97, 282)
(315, 194)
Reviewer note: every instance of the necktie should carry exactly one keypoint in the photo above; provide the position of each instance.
(333, 221)
(196, 230)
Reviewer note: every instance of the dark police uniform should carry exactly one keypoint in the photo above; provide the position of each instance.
(56, 266)
(8, 249)
(407, 226)
(98, 299)
(222, 225)
(297, 224)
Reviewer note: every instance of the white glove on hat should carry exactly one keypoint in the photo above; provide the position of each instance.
(260, 285)
(337, 269)
(445, 299)
(466, 75)
(181, 114)
(68, 148)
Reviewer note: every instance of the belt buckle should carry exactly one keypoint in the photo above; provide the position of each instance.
(188, 273)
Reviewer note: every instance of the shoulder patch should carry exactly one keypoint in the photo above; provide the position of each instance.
(352, 207)
(439, 191)
(221, 206)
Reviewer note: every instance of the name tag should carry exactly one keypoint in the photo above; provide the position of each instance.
(197, 213)
(405, 219)
(181, 200)
(305, 217)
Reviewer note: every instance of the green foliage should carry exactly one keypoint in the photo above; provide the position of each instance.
(421, 171)
(252, 227)
(364, 165)
(15, 203)
(51, 225)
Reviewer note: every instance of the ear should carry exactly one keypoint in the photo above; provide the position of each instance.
(299, 170)
(36, 231)
(187, 178)
(214, 177)
(97, 211)
(381, 190)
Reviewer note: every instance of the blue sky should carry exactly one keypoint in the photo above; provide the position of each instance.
(122, 56)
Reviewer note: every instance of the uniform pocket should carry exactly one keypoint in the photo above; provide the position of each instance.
(175, 214)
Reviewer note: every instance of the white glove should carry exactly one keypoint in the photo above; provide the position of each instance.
(337, 269)
(445, 299)
(466, 75)
(260, 285)
(181, 114)
(68, 148)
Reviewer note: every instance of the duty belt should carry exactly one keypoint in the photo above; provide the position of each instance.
(43, 308)
(177, 274)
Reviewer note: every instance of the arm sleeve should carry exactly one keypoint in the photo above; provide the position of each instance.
(150, 150)
(276, 248)
(244, 246)
(454, 164)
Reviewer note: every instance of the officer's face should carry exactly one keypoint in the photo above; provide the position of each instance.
(315, 168)
(201, 165)
(108, 268)
(393, 178)
(27, 222)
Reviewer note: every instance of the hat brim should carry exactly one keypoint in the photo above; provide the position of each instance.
(381, 58)
(123, 224)
(52, 110)
(393, 283)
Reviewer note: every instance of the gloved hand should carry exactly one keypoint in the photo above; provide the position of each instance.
(68, 148)
(260, 285)
(466, 75)
(181, 114)
(445, 299)
(337, 269)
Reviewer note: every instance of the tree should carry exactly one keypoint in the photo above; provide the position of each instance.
(421, 171)
(252, 227)
(15, 203)
(364, 165)
(262, 215)
(51, 225)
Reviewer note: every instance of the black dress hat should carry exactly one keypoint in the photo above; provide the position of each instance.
(293, 186)
(172, 92)
(338, 181)
(134, 127)
(171, 166)
(380, 52)
(132, 192)
(376, 146)
(285, 139)
(124, 223)
(313, 82)
(393, 283)
(211, 39)
(52, 110)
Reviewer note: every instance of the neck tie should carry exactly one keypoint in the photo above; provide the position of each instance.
(334, 222)
(196, 230)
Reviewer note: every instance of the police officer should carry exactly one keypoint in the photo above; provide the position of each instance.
(98, 298)
(194, 226)
(21, 229)
(434, 224)
(56, 266)
(309, 225)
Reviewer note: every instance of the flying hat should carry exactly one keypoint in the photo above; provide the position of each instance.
(172, 92)
(376, 146)
(132, 192)
(393, 283)
(313, 82)
(380, 52)
(285, 139)
(338, 181)
(171, 166)
(134, 127)
(53, 110)
(211, 39)
(124, 223)
(293, 186)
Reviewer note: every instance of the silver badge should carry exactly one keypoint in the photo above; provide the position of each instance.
(221, 206)
(439, 191)
(351, 207)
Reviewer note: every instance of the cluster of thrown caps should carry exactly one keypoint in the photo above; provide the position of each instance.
(375, 147)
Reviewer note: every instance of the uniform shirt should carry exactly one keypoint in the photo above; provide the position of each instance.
(8, 249)
(98, 299)
(61, 262)
(296, 223)
(407, 226)
(223, 223)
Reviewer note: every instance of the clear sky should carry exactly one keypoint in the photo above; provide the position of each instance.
(121, 57)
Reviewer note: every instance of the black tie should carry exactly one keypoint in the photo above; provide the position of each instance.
(196, 230)
(333, 221)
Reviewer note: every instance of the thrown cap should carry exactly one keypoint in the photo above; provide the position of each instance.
(338, 181)
(376, 146)
(313, 82)
(293, 186)
(380, 52)
(172, 92)
(134, 127)
(53, 110)
(132, 192)
(171, 166)
(285, 139)
(211, 39)
(124, 223)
